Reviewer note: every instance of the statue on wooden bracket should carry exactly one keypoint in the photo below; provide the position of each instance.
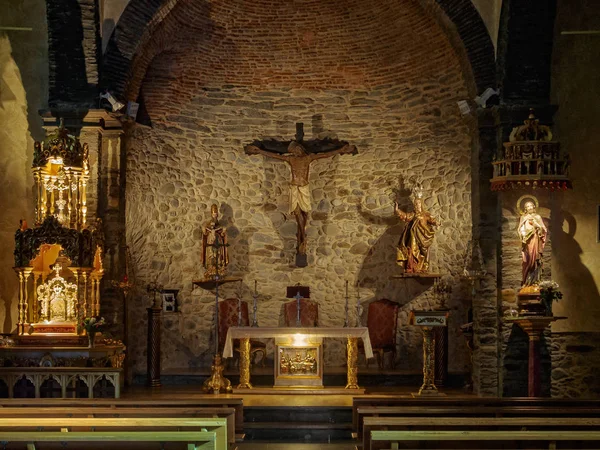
(532, 232)
(215, 257)
(417, 237)
(299, 154)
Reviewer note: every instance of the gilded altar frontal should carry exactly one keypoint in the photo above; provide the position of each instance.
(188, 189)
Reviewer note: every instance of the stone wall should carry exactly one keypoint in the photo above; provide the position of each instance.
(576, 260)
(575, 365)
(351, 232)
(23, 91)
(397, 106)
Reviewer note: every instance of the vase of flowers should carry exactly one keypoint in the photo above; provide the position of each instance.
(93, 325)
(549, 293)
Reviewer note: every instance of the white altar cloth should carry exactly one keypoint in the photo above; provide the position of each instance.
(276, 332)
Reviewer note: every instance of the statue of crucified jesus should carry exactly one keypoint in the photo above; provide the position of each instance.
(299, 159)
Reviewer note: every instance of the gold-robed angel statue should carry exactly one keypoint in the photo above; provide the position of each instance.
(417, 237)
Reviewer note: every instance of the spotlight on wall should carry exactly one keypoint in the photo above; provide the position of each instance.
(132, 109)
(489, 96)
(463, 105)
(116, 105)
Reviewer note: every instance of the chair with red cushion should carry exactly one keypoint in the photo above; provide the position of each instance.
(309, 313)
(229, 317)
(382, 322)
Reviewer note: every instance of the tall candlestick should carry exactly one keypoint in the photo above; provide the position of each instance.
(346, 324)
(358, 308)
(240, 290)
(255, 306)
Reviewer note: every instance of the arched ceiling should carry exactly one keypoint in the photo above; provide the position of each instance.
(316, 43)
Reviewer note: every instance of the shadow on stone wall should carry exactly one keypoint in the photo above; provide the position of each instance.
(516, 364)
(583, 291)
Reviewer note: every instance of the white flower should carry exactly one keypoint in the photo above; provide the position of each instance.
(549, 284)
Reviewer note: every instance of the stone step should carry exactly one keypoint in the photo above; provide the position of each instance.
(298, 424)
(333, 415)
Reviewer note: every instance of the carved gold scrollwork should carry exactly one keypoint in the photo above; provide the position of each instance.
(428, 386)
(352, 363)
(244, 364)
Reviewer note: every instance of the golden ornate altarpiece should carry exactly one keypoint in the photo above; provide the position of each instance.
(299, 359)
(59, 265)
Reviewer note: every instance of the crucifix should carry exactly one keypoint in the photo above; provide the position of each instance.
(299, 154)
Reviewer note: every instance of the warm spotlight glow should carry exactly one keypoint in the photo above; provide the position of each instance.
(299, 340)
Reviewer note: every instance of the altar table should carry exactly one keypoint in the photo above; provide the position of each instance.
(244, 334)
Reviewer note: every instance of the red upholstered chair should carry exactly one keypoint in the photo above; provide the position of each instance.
(309, 313)
(228, 317)
(382, 322)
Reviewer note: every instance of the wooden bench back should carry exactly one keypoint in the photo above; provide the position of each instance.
(466, 411)
(390, 440)
(165, 405)
(467, 424)
(100, 412)
(39, 429)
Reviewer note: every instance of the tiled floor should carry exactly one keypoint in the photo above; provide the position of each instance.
(282, 446)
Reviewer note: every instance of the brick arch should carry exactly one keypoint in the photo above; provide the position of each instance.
(145, 27)
(468, 33)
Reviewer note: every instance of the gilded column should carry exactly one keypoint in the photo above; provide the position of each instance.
(428, 386)
(36, 278)
(87, 308)
(352, 363)
(51, 184)
(44, 202)
(78, 305)
(26, 312)
(77, 201)
(83, 200)
(69, 199)
(244, 364)
(20, 326)
(97, 296)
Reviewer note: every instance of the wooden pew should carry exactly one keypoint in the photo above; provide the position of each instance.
(482, 439)
(502, 426)
(100, 412)
(195, 440)
(164, 405)
(466, 411)
(395, 400)
(42, 429)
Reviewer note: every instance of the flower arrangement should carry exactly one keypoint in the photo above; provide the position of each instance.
(93, 324)
(549, 292)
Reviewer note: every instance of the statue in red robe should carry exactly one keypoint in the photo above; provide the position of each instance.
(532, 232)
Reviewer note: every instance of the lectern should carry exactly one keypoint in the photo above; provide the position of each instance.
(427, 320)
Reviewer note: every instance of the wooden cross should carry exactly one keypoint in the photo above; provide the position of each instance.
(299, 154)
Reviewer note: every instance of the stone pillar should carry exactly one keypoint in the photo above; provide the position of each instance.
(73, 53)
(486, 216)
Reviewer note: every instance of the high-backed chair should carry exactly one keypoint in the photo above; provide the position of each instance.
(229, 317)
(309, 313)
(382, 322)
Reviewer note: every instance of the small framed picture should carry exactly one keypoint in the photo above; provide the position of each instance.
(169, 300)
